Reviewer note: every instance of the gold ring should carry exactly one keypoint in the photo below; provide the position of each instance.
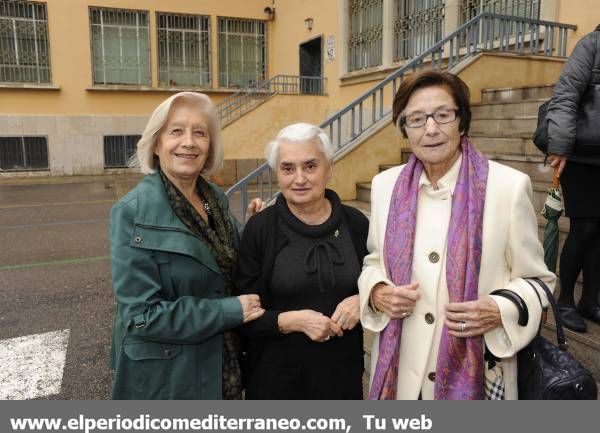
(463, 326)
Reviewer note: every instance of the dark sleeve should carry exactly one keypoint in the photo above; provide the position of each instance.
(137, 288)
(359, 227)
(249, 275)
(570, 88)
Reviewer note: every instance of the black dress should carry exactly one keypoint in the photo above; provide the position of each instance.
(315, 268)
(579, 184)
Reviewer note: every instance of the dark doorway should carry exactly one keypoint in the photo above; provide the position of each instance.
(311, 66)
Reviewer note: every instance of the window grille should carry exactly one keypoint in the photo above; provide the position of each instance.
(418, 24)
(120, 46)
(365, 41)
(242, 52)
(23, 153)
(183, 50)
(118, 149)
(24, 51)
(520, 8)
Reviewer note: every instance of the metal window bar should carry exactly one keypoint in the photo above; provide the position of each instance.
(183, 50)
(365, 41)
(23, 153)
(481, 32)
(242, 52)
(418, 24)
(517, 8)
(118, 150)
(24, 48)
(120, 46)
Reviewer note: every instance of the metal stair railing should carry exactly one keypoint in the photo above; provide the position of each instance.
(487, 32)
(235, 106)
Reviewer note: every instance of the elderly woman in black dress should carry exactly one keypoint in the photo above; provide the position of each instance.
(303, 256)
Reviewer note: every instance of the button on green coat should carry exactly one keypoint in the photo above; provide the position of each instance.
(171, 311)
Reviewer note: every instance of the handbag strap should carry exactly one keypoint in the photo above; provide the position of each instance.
(518, 301)
(560, 333)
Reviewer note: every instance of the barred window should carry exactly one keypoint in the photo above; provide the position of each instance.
(520, 8)
(418, 24)
(183, 50)
(120, 46)
(118, 149)
(365, 41)
(242, 52)
(24, 51)
(23, 153)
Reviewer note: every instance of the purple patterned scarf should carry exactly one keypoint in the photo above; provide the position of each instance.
(460, 367)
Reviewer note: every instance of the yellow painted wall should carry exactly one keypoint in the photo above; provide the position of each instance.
(584, 13)
(363, 162)
(247, 137)
(70, 57)
(289, 32)
(71, 66)
(499, 71)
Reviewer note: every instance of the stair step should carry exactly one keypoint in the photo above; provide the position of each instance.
(386, 167)
(529, 164)
(361, 205)
(503, 109)
(363, 192)
(517, 93)
(504, 127)
(505, 145)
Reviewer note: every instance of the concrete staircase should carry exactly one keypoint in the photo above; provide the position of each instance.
(501, 127)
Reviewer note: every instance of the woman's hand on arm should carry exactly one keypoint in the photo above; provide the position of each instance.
(395, 301)
(315, 325)
(347, 313)
(472, 318)
(251, 307)
(254, 207)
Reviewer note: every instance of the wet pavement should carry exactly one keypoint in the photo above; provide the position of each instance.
(55, 271)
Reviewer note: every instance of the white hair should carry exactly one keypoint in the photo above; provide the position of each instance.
(299, 133)
(145, 157)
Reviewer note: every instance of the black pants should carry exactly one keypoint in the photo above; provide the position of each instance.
(581, 251)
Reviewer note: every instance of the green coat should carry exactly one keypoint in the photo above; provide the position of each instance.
(171, 310)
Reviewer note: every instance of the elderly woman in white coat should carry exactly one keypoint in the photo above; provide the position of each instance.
(447, 228)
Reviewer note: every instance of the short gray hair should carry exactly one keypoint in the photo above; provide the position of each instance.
(145, 157)
(299, 133)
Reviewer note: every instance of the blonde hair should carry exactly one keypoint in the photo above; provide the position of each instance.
(299, 133)
(145, 157)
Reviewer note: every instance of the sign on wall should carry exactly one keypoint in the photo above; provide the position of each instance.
(330, 44)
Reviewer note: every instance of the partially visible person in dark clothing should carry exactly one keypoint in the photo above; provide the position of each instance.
(578, 166)
(303, 256)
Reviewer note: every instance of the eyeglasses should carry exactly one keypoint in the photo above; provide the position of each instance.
(418, 119)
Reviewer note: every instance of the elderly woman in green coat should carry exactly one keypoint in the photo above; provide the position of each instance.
(173, 251)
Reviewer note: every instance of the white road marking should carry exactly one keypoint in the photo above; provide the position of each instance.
(32, 366)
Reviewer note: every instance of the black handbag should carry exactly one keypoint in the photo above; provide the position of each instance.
(548, 372)
(540, 136)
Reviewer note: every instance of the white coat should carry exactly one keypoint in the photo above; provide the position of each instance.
(511, 251)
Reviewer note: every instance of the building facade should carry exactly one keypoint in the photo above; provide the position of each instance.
(79, 78)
